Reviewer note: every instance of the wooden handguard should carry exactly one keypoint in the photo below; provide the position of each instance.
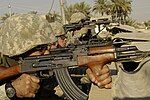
(101, 50)
(97, 55)
(101, 59)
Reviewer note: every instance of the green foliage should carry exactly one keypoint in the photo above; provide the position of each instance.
(51, 17)
(77, 7)
(69, 10)
(131, 22)
(101, 6)
(82, 7)
(118, 9)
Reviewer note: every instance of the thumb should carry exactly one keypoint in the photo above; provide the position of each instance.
(35, 79)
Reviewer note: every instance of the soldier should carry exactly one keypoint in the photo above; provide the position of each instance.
(104, 71)
(57, 28)
(24, 35)
(73, 36)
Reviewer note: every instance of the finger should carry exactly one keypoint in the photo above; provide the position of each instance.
(31, 86)
(25, 76)
(91, 75)
(30, 95)
(108, 86)
(35, 79)
(96, 69)
(106, 81)
(28, 82)
(20, 96)
(103, 77)
(34, 87)
(104, 70)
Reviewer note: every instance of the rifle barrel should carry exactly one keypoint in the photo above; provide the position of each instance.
(126, 48)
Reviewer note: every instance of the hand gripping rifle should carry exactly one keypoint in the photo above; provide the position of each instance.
(61, 59)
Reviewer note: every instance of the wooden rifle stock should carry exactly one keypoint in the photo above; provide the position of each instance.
(9, 72)
(2, 68)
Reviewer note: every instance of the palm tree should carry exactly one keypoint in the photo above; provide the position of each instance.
(131, 22)
(77, 7)
(120, 9)
(126, 8)
(51, 17)
(69, 10)
(82, 7)
(101, 6)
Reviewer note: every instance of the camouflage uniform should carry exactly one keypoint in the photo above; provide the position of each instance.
(57, 28)
(76, 17)
(74, 35)
(22, 32)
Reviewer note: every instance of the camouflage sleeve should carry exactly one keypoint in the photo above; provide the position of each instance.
(6, 61)
(3, 62)
(2, 93)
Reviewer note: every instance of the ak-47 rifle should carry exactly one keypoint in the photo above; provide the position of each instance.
(61, 59)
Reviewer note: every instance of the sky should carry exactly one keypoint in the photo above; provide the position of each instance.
(140, 7)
